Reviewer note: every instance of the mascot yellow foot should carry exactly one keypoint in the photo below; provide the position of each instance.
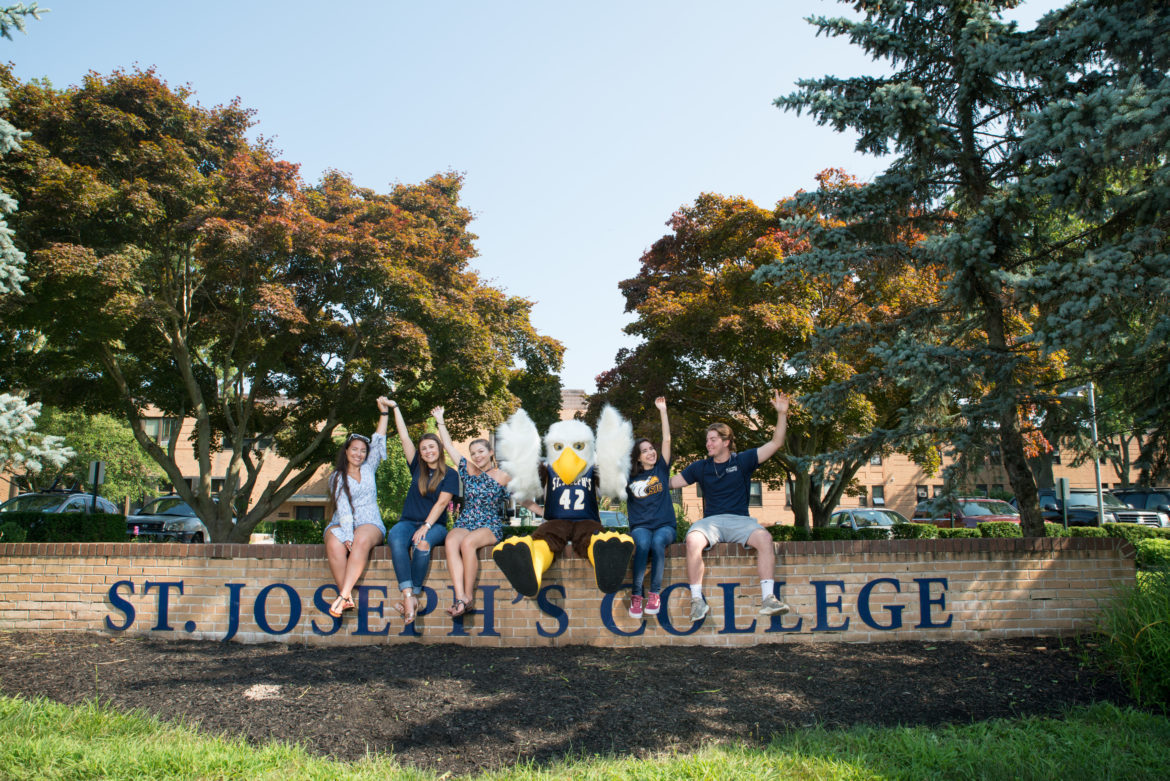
(610, 554)
(523, 561)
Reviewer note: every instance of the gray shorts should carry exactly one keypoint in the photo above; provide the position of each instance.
(725, 528)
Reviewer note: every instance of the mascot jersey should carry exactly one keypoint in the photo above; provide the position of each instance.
(575, 501)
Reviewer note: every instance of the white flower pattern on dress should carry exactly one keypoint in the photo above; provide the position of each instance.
(364, 495)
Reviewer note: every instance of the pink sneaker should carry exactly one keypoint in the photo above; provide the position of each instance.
(653, 604)
(635, 606)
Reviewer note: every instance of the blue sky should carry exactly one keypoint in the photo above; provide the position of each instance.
(579, 127)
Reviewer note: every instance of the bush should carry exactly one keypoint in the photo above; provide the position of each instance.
(1137, 638)
(296, 532)
(781, 533)
(1153, 554)
(915, 531)
(1130, 531)
(872, 533)
(682, 526)
(1056, 530)
(69, 527)
(954, 533)
(1000, 529)
(1087, 531)
(11, 532)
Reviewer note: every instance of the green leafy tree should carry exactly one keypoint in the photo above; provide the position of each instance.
(208, 282)
(715, 344)
(130, 471)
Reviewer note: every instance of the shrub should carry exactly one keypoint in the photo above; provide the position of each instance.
(782, 533)
(1087, 531)
(1130, 531)
(872, 533)
(1000, 529)
(915, 531)
(1056, 530)
(682, 526)
(1153, 554)
(297, 532)
(518, 531)
(11, 532)
(1137, 638)
(70, 527)
(954, 533)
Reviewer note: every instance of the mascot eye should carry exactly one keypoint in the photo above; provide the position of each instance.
(558, 446)
(578, 445)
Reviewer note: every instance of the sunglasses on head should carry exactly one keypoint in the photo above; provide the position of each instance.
(362, 437)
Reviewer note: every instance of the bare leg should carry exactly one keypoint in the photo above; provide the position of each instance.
(765, 553)
(455, 560)
(365, 537)
(696, 544)
(470, 545)
(337, 554)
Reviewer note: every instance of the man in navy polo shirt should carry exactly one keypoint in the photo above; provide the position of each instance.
(725, 477)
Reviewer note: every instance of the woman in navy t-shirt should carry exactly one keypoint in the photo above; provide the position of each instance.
(651, 512)
(423, 522)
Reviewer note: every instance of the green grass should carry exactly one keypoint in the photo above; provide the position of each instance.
(1136, 631)
(45, 740)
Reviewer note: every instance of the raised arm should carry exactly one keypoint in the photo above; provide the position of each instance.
(769, 448)
(660, 402)
(403, 434)
(448, 445)
(384, 415)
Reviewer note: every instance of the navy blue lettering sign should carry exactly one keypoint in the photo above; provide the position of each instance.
(729, 627)
(164, 593)
(365, 609)
(776, 624)
(426, 604)
(457, 628)
(123, 605)
(260, 609)
(488, 611)
(823, 605)
(664, 615)
(552, 611)
(924, 603)
(866, 615)
(323, 604)
(607, 616)
(234, 590)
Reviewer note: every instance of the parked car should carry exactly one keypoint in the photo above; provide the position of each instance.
(1153, 499)
(1082, 508)
(611, 518)
(57, 502)
(167, 519)
(964, 512)
(866, 518)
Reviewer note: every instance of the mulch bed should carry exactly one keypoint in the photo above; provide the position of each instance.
(459, 709)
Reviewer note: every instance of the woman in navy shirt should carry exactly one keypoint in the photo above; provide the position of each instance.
(423, 522)
(652, 518)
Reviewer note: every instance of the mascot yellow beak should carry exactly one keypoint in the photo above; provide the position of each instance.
(568, 465)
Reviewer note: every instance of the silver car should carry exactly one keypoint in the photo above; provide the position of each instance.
(167, 519)
(57, 502)
(866, 518)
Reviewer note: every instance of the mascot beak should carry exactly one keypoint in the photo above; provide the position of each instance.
(568, 465)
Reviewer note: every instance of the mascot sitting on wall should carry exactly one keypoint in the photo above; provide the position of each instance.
(576, 467)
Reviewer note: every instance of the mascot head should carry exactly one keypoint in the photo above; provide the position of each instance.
(568, 449)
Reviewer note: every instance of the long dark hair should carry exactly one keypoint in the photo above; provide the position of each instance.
(430, 479)
(635, 461)
(337, 476)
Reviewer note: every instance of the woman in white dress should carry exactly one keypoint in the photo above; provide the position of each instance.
(355, 523)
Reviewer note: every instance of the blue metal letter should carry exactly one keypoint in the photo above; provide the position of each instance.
(552, 611)
(260, 612)
(164, 593)
(867, 615)
(121, 604)
(823, 604)
(924, 603)
(729, 627)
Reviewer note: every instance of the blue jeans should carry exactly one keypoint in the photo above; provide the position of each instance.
(410, 563)
(650, 544)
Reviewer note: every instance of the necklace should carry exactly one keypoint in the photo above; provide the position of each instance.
(715, 467)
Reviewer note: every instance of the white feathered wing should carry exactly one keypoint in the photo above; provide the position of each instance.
(518, 453)
(614, 443)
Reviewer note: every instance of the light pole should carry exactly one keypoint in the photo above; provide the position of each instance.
(1096, 453)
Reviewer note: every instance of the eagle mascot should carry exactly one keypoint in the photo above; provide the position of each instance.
(577, 467)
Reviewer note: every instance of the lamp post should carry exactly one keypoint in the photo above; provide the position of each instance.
(1096, 454)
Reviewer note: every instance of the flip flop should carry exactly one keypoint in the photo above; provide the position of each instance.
(400, 608)
(336, 610)
(458, 608)
(411, 610)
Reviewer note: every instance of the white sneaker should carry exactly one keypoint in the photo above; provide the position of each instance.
(699, 609)
(770, 606)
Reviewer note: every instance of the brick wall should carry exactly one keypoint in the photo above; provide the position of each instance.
(841, 591)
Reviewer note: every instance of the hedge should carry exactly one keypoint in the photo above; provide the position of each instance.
(1087, 531)
(1056, 530)
(1153, 553)
(1135, 531)
(69, 527)
(11, 532)
(915, 531)
(1000, 529)
(297, 532)
(955, 533)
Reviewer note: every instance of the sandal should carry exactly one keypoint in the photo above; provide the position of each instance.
(458, 608)
(411, 607)
(340, 605)
(400, 608)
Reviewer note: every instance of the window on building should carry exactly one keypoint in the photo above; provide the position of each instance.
(310, 512)
(216, 484)
(161, 430)
(922, 492)
(936, 490)
(875, 460)
(863, 498)
(879, 496)
(1055, 456)
(756, 494)
(981, 489)
(997, 488)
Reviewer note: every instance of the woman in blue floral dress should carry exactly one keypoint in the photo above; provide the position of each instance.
(481, 521)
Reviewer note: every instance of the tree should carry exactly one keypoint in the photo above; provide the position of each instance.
(209, 282)
(130, 472)
(22, 448)
(715, 344)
